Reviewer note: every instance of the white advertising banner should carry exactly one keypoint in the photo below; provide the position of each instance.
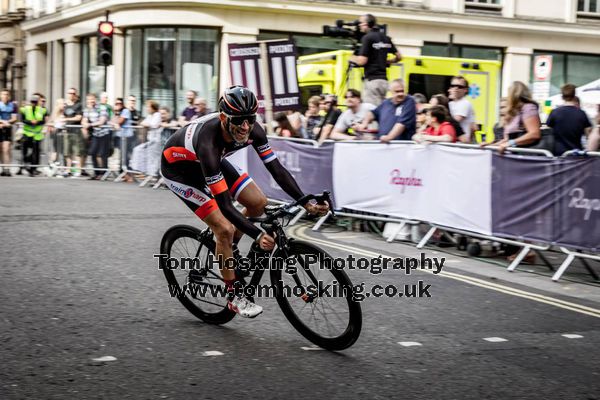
(438, 184)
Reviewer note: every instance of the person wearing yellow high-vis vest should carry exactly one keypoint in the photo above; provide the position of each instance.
(33, 117)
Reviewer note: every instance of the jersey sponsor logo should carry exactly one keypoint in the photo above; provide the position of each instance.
(179, 155)
(186, 193)
(263, 148)
(381, 45)
(211, 180)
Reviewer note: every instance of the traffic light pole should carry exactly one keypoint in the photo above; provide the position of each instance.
(106, 67)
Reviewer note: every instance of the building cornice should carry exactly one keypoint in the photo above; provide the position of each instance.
(386, 14)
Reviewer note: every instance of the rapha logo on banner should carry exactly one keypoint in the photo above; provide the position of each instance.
(404, 181)
(578, 200)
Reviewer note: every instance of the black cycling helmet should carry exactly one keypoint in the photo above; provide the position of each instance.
(238, 101)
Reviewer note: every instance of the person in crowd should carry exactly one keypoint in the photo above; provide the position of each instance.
(420, 101)
(132, 107)
(125, 139)
(438, 129)
(33, 117)
(73, 142)
(56, 125)
(396, 115)
(94, 118)
(168, 124)
(460, 108)
(372, 55)
(201, 106)
(284, 127)
(442, 100)
(190, 111)
(104, 105)
(499, 126)
(331, 116)
(522, 121)
(312, 117)
(568, 122)
(298, 122)
(593, 143)
(8, 116)
(421, 120)
(351, 118)
(146, 156)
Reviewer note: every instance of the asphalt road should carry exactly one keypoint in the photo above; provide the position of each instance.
(79, 283)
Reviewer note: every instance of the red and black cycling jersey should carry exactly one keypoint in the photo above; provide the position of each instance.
(202, 142)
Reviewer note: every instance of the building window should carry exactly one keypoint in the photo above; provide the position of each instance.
(588, 6)
(93, 75)
(461, 51)
(307, 43)
(162, 64)
(484, 6)
(577, 69)
(483, 2)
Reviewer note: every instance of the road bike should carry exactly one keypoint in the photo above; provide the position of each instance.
(300, 283)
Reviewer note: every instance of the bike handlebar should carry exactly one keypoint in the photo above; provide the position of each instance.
(284, 210)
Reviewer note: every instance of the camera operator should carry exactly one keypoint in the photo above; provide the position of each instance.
(372, 55)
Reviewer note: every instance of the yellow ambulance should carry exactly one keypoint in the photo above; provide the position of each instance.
(329, 73)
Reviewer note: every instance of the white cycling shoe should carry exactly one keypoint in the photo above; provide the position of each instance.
(244, 307)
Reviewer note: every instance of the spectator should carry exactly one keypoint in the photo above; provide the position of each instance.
(421, 121)
(34, 117)
(132, 107)
(442, 100)
(8, 116)
(146, 156)
(201, 108)
(55, 126)
(191, 110)
(593, 143)
(105, 106)
(499, 126)
(396, 115)
(351, 118)
(522, 120)
(312, 117)
(297, 121)
(420, 101)
(168, 124)
(284, 127)
(460, 108)
(439, 129)
(568, 122)
(74, 145)
(372, 55)
(331, 116)
(124, 138)
(95, 116)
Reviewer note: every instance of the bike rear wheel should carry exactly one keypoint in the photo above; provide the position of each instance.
(204, 283)
(330, 322)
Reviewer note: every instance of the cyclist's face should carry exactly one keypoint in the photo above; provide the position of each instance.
(240, 133)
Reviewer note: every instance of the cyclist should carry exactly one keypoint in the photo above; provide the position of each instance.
(195, 168)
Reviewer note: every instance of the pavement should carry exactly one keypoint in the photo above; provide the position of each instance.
(85, 313)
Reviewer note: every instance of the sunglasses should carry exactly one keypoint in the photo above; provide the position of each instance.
(458, 86)
(71, 93)
(239, 120)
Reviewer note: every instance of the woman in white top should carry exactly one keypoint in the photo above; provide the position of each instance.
(146, 156)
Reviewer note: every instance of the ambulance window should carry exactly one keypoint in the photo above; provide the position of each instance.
(428, 85)
(306, 92)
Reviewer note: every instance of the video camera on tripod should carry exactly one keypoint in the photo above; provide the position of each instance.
(349, 30)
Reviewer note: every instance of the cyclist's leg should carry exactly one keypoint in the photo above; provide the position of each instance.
(243, 189)
(186, 180)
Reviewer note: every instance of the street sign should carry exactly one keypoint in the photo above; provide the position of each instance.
(542, 68)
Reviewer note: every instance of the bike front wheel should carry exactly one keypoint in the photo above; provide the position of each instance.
(316, 300)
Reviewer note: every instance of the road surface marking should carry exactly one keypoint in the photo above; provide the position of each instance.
(495, 339)
(310, 348)
(572, 336)
(298, 231)
(409, 344)
(105, 359)
(212, 353)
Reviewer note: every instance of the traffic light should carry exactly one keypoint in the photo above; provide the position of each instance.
(105, 40)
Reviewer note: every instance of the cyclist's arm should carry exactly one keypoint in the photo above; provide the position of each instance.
(210, 162)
